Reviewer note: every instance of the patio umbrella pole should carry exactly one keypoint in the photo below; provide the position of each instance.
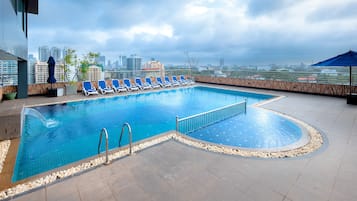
(350, 80)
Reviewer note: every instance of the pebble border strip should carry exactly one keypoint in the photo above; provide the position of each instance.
(4, 148)
(52, 177)
(314, 143)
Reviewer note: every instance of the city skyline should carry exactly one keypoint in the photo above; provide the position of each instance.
(240, 31)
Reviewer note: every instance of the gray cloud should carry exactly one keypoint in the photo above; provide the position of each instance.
(241, 31)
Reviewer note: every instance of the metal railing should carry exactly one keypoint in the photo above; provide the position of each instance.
(120, 74)
(130, 136)
(201, 120)
(104, 131)
(319, 77)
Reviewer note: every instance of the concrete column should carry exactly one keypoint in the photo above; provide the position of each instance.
(22, 86)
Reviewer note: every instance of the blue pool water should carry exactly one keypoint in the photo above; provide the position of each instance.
(74, 132)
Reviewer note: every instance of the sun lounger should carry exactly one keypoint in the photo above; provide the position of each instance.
(128, 85)
(173, 82)
(187, 81)
(103, 88)
(149, 83)
(174, 79)
(161, 83)
(117, 87)
(141, 85)
(88, 88)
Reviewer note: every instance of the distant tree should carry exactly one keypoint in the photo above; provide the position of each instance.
(70, 60)
(88, 60)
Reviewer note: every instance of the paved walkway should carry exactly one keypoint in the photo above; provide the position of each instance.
(174, 171)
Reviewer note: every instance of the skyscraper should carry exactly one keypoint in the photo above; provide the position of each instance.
(100, 61)
(221, 62)
(56, 54)
(133, 63)
(31, 69)
(122, 61)
(43, 53)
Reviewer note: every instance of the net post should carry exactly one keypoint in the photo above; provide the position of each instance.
(245, 106)
(177, 124)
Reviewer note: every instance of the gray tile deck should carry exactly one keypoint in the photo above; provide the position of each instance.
(174, 171)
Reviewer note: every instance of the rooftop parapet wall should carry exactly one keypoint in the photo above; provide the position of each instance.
(311, 88)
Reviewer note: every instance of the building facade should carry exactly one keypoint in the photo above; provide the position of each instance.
(13, 37)
(41, 72)
(133, 63)
(94, 73)
(43, 53)
(100, 61)
(56, 54)
(8, 72)
(154, 68)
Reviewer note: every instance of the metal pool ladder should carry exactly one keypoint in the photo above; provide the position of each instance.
(104, 131)
(130, 136)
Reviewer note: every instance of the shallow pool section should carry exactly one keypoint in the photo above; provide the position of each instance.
(74, 128)
(257, 129)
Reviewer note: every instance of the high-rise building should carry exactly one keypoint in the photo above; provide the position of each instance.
(122, 61)
(31, 69)
(94, 73)
(133, 63)
(43, 53)
(41, 72)
(8, 72)
(64, 52)
(154, 68)
(56, 54)
(221, 62)
(100, 61)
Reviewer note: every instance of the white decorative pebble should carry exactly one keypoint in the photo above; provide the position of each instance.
(4, 148)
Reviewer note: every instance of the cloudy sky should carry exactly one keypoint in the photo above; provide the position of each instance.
(240, 31)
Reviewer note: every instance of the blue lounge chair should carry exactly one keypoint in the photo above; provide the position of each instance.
(103, 88)
(141, 85)
(173, 83)
(161, 83)
(187, 81)
(88, 88)
(149, 83)
(128, 85)
(117, 87)
(174, 79)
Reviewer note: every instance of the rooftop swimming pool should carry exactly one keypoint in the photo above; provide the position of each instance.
(56, 135)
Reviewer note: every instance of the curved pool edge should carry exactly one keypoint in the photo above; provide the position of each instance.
(315, 142)
(309, 143)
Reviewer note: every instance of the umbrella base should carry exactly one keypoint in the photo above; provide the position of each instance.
(352, 99)
(52, 93)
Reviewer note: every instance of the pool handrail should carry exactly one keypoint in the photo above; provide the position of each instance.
(126, 124)
(105, 132)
